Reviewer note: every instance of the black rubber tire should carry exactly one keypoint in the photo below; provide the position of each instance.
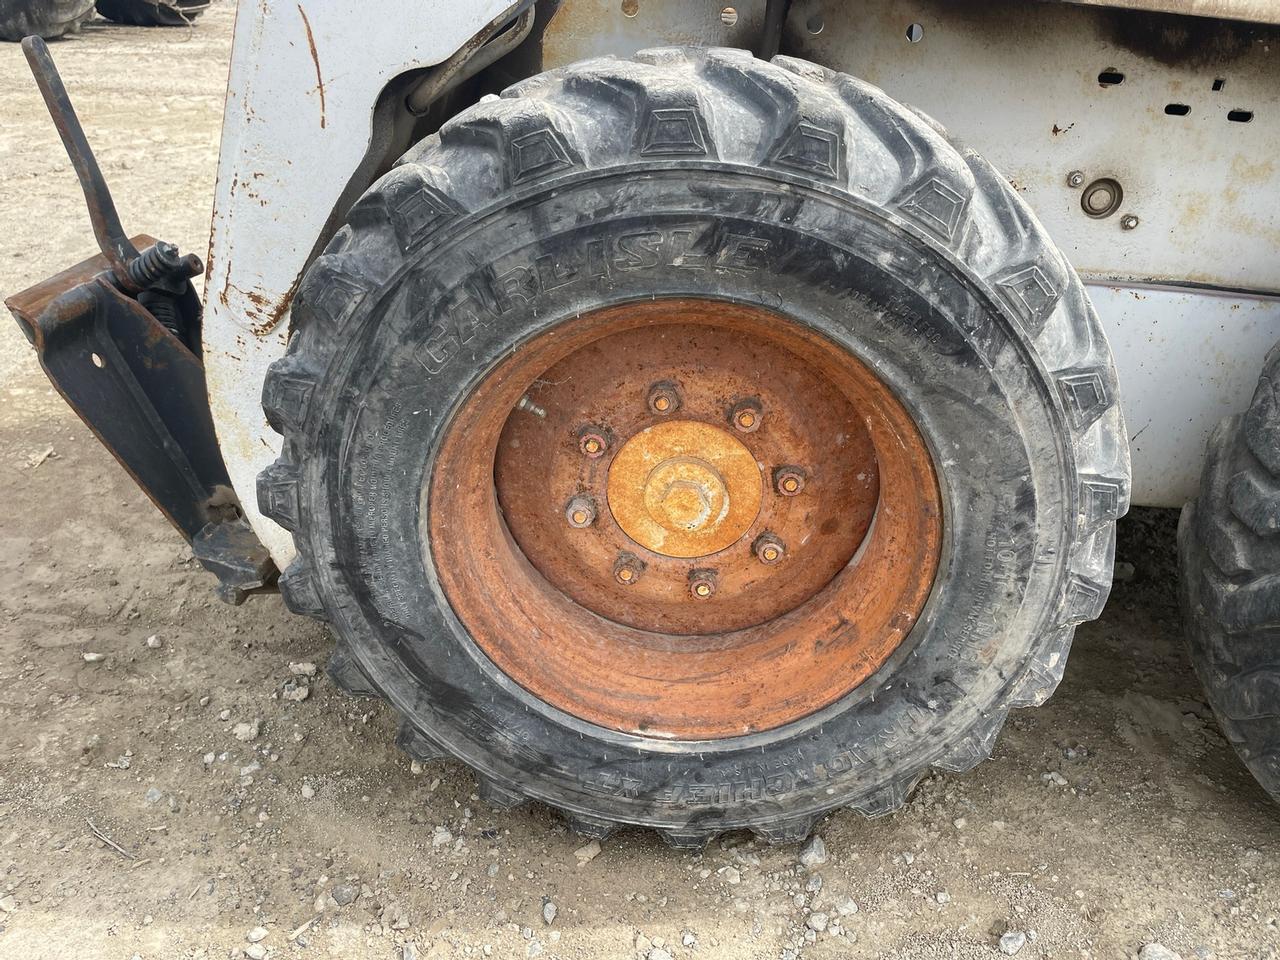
(152, 13)
(49, 19)
(1229, 565)
(862, 221)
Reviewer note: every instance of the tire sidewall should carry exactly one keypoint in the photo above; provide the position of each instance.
(903, 304)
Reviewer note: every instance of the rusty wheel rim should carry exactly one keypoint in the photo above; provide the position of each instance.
(685, 518)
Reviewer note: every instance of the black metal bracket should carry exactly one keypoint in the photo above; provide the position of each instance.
(119, 337)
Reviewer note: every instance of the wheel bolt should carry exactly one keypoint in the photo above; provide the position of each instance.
(592, 442)
(580, 511)
(702, 584)
(746, 415)
(627, 569)
(788, 481)
(768, 548)
(663, 398)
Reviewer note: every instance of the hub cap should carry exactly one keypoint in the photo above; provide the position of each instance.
(684, 518)
(684, 489)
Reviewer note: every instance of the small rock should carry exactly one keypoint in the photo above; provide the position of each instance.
(255, 951)
(815, 884)
(441, 836)
(304, 669)
(344, 894)
(588, 852)
(295, 691)
(658, 953)
(1157, 951)
(847, 907)
(1012, 942)
(8, 904)
(732, 875)
(93, 657)
(154, 642)
(1054, 777)
(408, 952)
(256, 935)
(942, 897)
(688, 939)
(247, 732)
(1123, 571)
(960, 823)
(548, 912)
(814, 853)
(817, 922)
(308, 791)
(154, 795)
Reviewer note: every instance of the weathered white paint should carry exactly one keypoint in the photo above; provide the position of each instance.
(1207, 192)
(304, 78)
(1186, 359)
(1018, 82)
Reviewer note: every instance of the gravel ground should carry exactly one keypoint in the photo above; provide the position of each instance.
(174, 781)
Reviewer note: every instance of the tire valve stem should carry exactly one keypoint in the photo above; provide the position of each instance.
(788, 481)
(528, 406)
(702, 584)
(768, 549)
(627, 568)
(746, 415)
(580, 511)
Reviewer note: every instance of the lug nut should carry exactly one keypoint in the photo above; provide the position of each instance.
(768, 548)
(580, 511)
(702, 584)
(1129, 222)
(627, 569)
(593, 442)
(746, 415)
(788, 481)
(1075, 178)
(663, 398)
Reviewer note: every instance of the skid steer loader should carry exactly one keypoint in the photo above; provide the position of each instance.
(702, 416)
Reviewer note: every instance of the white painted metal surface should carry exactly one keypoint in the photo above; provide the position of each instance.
(1018, 81)
(1186, 359)
(304, 79)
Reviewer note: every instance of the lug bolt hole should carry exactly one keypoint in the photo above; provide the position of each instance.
(663, 398)
(580, 511)
(746, 415)
(702, 584)
(627, 569)
(768, 549)
(593, 442)
(788, 481)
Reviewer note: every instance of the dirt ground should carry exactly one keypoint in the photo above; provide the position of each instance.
(133, 822)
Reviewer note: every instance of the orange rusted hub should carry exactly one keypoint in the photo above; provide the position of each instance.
(685, 518)
(684, 489)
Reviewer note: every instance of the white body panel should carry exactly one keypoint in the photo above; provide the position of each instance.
(303, 82)
(1207, 191)
(1186, 359)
